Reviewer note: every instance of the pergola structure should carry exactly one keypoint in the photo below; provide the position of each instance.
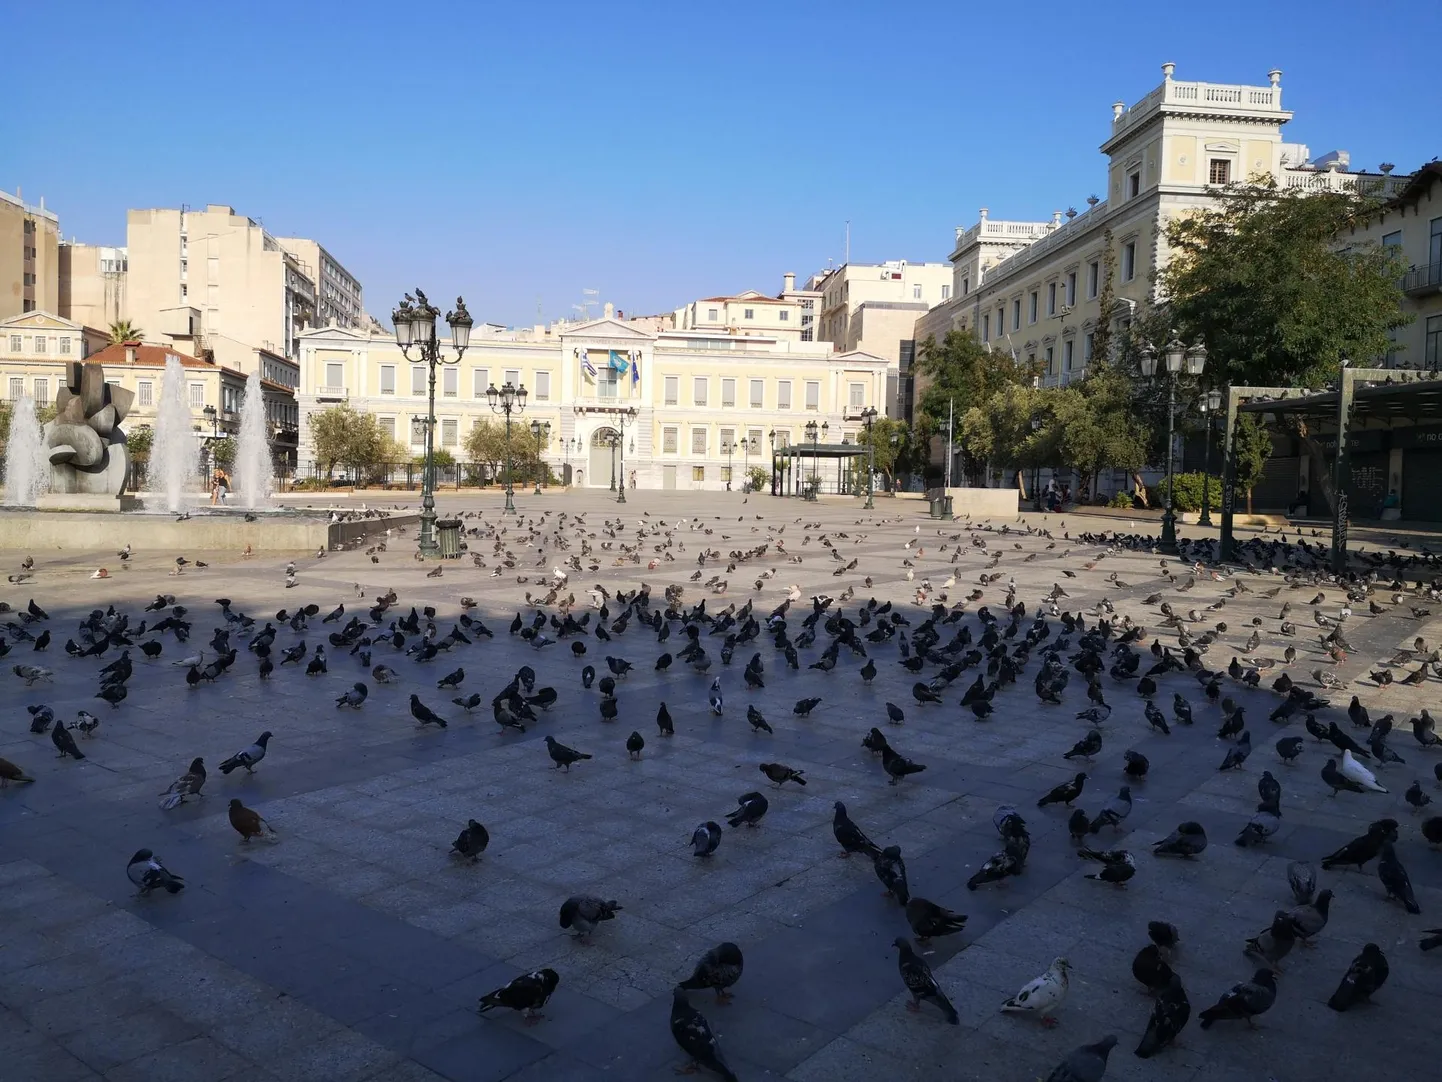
(797, 471)
(1364, 399)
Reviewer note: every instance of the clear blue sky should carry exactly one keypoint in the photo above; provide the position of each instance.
(656, 152)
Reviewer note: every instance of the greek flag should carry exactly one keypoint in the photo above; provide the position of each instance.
(588, 368)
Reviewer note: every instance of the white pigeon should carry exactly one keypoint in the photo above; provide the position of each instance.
(194, 660)
(1355, 772)
(794, 593)
(715, 697)
(1044, 994)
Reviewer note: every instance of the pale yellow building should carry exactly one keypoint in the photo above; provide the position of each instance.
(92, 283)
(747, 313)
(29, 257)
(695, 393)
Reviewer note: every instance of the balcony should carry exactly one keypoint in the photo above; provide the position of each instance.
(1423, 281)
(1380, 185)
(336, 393)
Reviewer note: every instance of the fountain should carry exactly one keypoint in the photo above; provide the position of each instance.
(253, 475)
(27, 460)
(175, 454)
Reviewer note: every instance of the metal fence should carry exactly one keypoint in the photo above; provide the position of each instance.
(408, 475)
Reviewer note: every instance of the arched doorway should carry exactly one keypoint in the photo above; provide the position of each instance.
(603, 461)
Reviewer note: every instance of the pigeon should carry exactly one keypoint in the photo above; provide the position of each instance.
(1415, 797)
(1395, 880)
(1085, 1064)
(1150, 970)
(1274, 944)
(929, 920)
(663, 721)
(353, 697)
(693, 1033)
(751, 808)
(1087, 747)
(891, 870)
(894, 714)
(1245, 1000)
(1311, 918)
(147, 873)
(247, 822)
(471, 842)
(563, 756)
(527, 993)
(1078, 826)
(1237, 755)
(757, 720)
(10, 772)
(1367, 973)
(715, 699)
(705, 839)
(1187, 841)
(634, 744)
(780, 773)
(1289, 748)
(897, 766)
(849, 836)
(1170, 1015)
(40, 718)
(582, 912)
(1118, 866)
(424, 714)
(86, 722)
(1044, 994)
(384, 674)
(1265, 822)
(1302, 879)
(803, 707)
(719, 968)
(248, 757)
(188, 784)
(1064, 793)
(64, 742)
(1114, 811)
(917, 977)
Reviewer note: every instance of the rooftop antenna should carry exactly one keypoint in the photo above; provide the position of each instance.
(848, 240)
(588, 298)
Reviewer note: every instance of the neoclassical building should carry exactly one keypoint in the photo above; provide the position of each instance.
(693, 407)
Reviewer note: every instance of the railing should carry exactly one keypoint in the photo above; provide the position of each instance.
(1331, 180)
(1423, 281)
(1004, 230)
(1251, 99)
(1054, 239)
(330, 392)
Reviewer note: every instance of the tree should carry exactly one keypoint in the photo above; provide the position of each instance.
(223, 451)
(443, 458)
(343, 436)
(125, 331)
(139, 441)
(1251, 447)
(485, 447)
(1098, 426)
(887, 454)
(961, 373)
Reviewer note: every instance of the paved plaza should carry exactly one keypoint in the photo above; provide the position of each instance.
(354, 948)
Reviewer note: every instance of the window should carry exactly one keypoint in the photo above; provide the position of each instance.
(1050, 356)
(1219, 171)
(916, 292)
(184, 291)
(673, 390)
(1432, 344)
(1066, 354)
(480, 380)
(668, 441)
(783, 394)
(450, 432)
(388, 426)
(64, 345)
(748, 313)
(986, 327)
(418, 431)
(450, 383)
(40, 343)
(1000, 322)
(197, 395)
(728, 394)
(513, 376)
(1051, 298)
(1031, 306)
(698, 440)
(42, 392)
(1071, 289)
(806, 332)
(542, 390)
(784, 315)
(607, 383)
(146, 391)
(1434, 243)
(698, 473)
(698, 390)
(813, 395)
(1094, 269)
(946, 289)
(388, 379)
(753, 440)
(1134, 184)
(1089, 344)
(758, 390)
(728, 439)
(1016, 314)
(711, 315)
(856, 395)
(334, 376)
(184, 269)
(418, 381)
(14, 343)
(17, 388)
(1129, 260)
(726, 470)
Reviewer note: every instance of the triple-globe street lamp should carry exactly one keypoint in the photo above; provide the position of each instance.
(415, 323)
(1209, 403)
(541, 430)
(1176, 355)
(508, 400)
(868, 417)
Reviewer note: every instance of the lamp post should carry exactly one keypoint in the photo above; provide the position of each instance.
(1036, 469)
(1209, 404)
(415, 322)
(776, 489)
(1195, 360)
(811, 430)
(207, 462)
(868, 417)
(508, 400)
(728, 448)
(566, 469)
(542, 431)
(625, 417)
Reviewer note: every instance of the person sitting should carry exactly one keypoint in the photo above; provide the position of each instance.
(1392, 505)
(1299, 503)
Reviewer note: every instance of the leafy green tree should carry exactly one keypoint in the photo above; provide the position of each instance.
(346, 437)
(1251, 447)
(223, 451)
(959, 373)
(138, 442)
(442, 456)
(1098, 424)
(888, 454)
(485, 447)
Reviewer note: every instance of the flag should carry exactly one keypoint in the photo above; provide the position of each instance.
(635, 367)
(617, 362)
(587, 368)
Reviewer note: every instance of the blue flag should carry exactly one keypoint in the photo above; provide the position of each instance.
(635, 368)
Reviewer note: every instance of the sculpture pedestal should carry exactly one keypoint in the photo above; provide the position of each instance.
(87, 501)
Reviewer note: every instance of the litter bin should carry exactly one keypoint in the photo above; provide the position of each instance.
(941, 507)
(448, 536)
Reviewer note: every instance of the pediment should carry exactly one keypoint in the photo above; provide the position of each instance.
(38, 321)
(606, 328)
(349, 334)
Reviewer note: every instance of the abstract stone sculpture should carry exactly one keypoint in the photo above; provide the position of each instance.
(86, 445)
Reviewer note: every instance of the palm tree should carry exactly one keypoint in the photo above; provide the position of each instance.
(124, 331)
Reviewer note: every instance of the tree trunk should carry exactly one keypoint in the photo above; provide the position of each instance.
(1249, 501)
(1321, 473)
(1021, 483)
(1139, 488)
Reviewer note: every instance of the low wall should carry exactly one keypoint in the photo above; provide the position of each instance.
(28, 530)
(984, 502)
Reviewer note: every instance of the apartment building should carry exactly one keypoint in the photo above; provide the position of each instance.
(29, 257)
(1034, 287)
(34, 347)
(215, 283)
(338, 292)
(92, 283)
(708, 402)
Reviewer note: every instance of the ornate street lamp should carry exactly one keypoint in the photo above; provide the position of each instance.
(541, 430)
(1209, 404)
(415, 323)
(868, 417)
(566, 468)
(1195, 360)
(508, 400)
(728, 448)
(625, 417)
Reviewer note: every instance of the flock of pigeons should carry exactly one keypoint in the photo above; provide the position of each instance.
(993, 649)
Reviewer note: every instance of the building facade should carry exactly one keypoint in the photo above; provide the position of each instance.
(92, 283)
(29, 257)
(708, 403)
(35, 347)
(338, 299)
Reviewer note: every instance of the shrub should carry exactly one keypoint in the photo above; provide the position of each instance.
(1187, 493)
(760, 478)
(1121, 500)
